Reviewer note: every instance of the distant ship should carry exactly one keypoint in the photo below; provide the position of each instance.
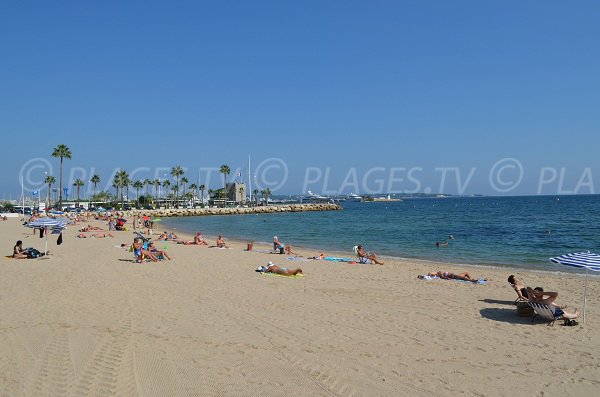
(316, 198)
(354, 197)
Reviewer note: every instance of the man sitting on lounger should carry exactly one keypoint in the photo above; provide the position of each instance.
(537, 295)
(365, 257)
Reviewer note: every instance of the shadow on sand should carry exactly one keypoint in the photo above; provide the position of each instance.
(498, 302)
(504, 315)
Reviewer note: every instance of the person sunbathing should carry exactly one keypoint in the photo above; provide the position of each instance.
(198, 240)
(221, 242)
(272, 268)
(141, 252)
(95, 235)
(18, 251)
(453, 276)
(280, 247)
(89, 228)
(537, 295)
(158, 253)
(519, 287)
(366, 257)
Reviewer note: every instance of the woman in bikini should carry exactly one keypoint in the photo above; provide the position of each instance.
(449, 275)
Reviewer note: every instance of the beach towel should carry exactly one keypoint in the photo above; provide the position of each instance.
(282, 275)
(337, 259)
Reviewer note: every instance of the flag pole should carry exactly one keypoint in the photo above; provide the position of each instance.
(249, 181)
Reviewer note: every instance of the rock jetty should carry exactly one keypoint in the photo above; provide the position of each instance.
(274, 208)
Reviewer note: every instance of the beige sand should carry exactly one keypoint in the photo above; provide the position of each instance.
(90, 322)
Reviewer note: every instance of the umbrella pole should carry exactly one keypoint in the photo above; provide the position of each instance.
(585, 293)
(46, 231)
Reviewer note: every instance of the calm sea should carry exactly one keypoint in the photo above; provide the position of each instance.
(500, 231)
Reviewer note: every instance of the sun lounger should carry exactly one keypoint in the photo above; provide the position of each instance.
(546, 312)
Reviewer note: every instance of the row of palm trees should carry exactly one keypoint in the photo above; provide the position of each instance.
(122, 181)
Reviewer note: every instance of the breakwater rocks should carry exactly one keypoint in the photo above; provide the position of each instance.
(269, 209)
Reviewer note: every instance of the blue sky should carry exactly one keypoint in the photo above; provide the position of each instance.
(460, 97)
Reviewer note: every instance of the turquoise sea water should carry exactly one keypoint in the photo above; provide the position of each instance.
(501, 231)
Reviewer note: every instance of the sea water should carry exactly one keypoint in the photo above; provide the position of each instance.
(500, 231)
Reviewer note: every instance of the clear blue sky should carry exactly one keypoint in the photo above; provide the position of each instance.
(350, 95)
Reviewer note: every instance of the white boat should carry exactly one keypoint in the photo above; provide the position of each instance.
(354, 197)
(316, 198)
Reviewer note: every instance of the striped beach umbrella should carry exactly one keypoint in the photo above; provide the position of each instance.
(586, 260)
(56, 225)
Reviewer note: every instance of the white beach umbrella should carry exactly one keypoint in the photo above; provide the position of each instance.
(586, 260)
(53, 224)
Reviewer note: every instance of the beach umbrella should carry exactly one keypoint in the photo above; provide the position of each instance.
(56, 225)
(586, 260)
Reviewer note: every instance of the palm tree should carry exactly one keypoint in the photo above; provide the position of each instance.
(156, 184)
(147, 182)
(202, 187)
(95, 179)
(166, 183)
(210, 192)
(193, 188)
(225, 170)
(78, 183)
(255, 193)
(50, 180)
(266, 193)
(176, 171)
(137, 185)
(63, 152)
(121, 181)
(184, 182)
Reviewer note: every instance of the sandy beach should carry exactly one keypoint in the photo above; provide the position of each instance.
(88, 321)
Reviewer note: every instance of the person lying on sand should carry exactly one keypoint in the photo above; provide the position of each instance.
(168, 236)
(272, 268)
(452, 276)
(95, 235)
(89, 228)
(537, 295)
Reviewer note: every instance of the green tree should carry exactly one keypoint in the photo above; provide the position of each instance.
(137, 185)
(176, 172)
(147, 182)
(202, 188)
(156, 184)
(62, 152)
(225, 170)
(95, 179)
(50, 180)
(78, 184)
(266, 194)
(193, 187)
(166, 183)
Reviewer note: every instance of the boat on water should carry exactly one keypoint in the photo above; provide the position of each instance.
(354, 197)
(311, 197)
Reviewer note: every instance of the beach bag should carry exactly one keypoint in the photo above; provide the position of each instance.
(32, 253)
